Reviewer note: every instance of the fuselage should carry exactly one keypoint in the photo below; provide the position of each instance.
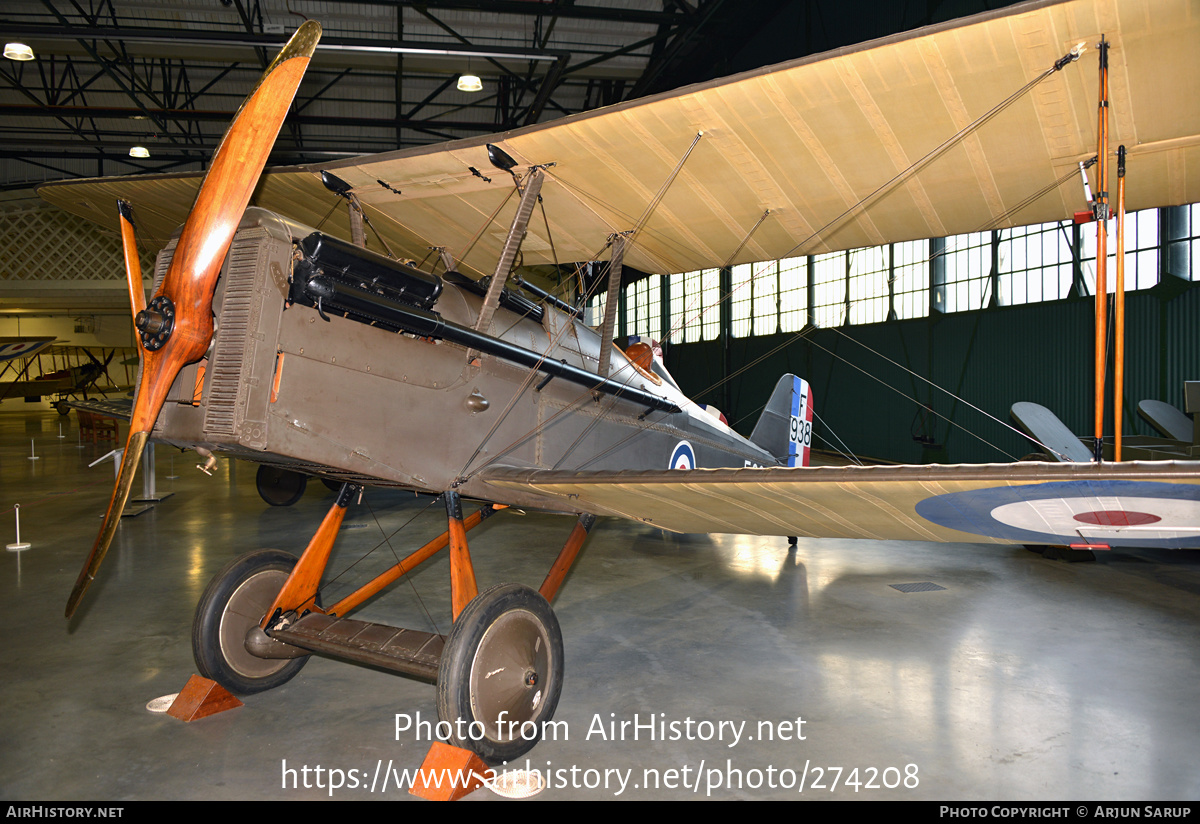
(338, 395)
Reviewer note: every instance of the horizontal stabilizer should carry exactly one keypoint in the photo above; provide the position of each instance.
(1169, 421)
(1051, 434)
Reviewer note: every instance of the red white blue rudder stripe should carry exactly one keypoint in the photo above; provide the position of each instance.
(800, 425)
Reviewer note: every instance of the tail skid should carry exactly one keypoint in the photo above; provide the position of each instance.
(785, 427)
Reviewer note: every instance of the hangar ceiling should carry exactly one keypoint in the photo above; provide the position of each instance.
(167, 75)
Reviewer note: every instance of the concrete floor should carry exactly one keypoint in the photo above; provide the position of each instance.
(1023, 679)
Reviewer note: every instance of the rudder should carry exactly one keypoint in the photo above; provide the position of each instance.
(785, 427)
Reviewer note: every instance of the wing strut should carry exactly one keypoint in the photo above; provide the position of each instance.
(1101, 250)
(512, 245)
(1119, 310)
(611, 302)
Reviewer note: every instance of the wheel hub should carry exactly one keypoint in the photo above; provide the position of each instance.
(246, 608)
(156, 322)
(504, 675)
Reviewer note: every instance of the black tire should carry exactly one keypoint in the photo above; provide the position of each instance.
(61, 408)
(236, 600)
(333, 486)
(279, 487)
(504, 654)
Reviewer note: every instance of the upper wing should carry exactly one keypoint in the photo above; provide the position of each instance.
(806, 140)
(12, 351)
(16, 348)
(1155, 504)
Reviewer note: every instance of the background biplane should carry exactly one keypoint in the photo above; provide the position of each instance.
(68, 372)
(335, 360)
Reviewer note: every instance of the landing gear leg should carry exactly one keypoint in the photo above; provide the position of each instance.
(501, 670)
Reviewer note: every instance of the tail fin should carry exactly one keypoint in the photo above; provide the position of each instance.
(785, 427)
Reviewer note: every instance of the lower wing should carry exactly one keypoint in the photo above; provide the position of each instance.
(1133, 504)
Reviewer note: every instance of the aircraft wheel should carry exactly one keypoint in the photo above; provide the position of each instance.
(235, 601)
(501, 672)
(279, 487)
(61, 408)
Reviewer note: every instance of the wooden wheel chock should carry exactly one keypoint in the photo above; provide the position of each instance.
(201, 698)
(443, 770)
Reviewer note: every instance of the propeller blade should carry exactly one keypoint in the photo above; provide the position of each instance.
(112, 517)
(176, 327)
(133, 263)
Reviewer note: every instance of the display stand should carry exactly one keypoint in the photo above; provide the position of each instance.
(19, 545)
(150, 493)
(129, 511)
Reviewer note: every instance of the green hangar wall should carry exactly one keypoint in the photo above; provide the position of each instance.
(871, 383)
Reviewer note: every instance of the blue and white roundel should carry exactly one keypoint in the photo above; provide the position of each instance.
(1117, 513)
(683, 457)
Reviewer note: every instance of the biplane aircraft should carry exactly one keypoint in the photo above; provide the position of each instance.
(264, 332)
(15, 351)
(61, 384)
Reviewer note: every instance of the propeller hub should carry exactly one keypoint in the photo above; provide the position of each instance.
(155, 322)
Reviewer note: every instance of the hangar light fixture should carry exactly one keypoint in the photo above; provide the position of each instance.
(17, 51)
(139, 151)
(469, 83)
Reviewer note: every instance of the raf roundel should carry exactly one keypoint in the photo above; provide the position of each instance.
(683, 457)
(1117, 513)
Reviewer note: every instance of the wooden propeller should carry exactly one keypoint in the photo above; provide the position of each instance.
(176, 327)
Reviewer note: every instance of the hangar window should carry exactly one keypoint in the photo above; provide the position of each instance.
(869, 284)
(710, 284)
(1028, 264)
(695, 309)
(910, 279)
(753, 295)
(962, 272)
(1141, 252)
(643, 307)
(829, 289)
(1141, 249)
(793, 294)
(1192, 237)
(741, 300)
(766, 298)
(1034, 263)
(595, 309)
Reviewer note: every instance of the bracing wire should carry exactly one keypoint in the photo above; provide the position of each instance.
(951, 394)
(857, 208)
(879, 380)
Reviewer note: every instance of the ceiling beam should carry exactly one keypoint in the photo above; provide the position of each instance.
(525, 8)
(369, 45)
(223, 116)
